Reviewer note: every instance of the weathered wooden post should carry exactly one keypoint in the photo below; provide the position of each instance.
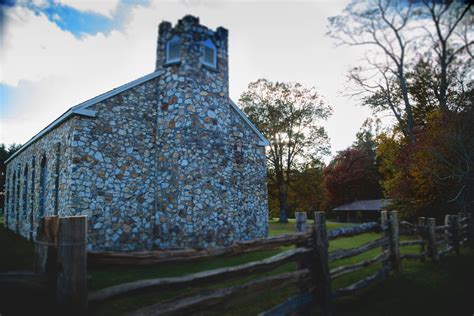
(300, 219)
(45, 255)
(454, 228)
(71, 292)
(448, 230)
(321, 269)
(307, 261)
(451, 232)
(394, 241)
(431, 237)
(385, 232)
(422, 233)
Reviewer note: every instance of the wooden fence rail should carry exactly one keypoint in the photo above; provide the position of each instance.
(60, 258)
(345, 253)
(188, 255)
(342, 270)
(353, 230)
(223, 296)
(200, 278)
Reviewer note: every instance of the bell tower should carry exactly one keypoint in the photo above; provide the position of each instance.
(193, 138)
(192, 50)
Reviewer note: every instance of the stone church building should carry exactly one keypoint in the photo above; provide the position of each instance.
(165, 161)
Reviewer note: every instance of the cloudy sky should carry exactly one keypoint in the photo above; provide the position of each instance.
(55, 54)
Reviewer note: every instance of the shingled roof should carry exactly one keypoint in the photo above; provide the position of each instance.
(364, 205)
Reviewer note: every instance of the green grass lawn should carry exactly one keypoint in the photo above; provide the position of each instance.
(444, 288)
(421, 287)
(276, 228)
(17, 253)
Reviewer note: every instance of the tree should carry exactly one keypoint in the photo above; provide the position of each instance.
(393, 155)
(396, 34)
(306, 192)
(381, 25)
(450, 38)
(352, 175)
(366, 137)
(442, 167)
(288, 114)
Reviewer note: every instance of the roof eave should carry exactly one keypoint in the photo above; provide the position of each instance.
(263, 141)
(71, 112)
(81, 109)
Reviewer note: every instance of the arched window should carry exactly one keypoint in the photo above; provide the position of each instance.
(8, 197)
(56, 179)
(173, 50)
(42, 184)
(209, 54)
(17, 198)
(32, 198)
(24, 200)
(13, 195)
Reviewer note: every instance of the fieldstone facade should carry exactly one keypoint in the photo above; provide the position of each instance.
(166, 161)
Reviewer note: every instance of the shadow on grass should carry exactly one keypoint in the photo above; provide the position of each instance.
(444, 288)
(17, 252)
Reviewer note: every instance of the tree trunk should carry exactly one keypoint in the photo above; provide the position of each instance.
(408, 108)
(283, 199)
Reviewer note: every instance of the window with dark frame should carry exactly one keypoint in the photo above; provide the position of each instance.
(24, 201)
(32, 198)
(42, 184)
(173, 50)
(209, 54)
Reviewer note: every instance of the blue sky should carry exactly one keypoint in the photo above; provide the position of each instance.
(56, 54)
(78, 22)
(5, 93)
(68, 18)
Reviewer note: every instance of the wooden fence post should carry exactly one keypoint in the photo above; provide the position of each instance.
(431, 237)
(395, 241)
(45, 253)
(44, 259)
(447, 230)
(321, 269)
(300, 219)
(422, 233)
(385, 232)
(454, 226)
(305, 262)
(71, 292)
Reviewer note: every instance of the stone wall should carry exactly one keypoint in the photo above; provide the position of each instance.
(211, 172)
(113, 182)
(22, 203)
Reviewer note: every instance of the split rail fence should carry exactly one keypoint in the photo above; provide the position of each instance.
(61, 256)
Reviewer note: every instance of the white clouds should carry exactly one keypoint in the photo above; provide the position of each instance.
(104, 7)
(52, 70)
(39, 3)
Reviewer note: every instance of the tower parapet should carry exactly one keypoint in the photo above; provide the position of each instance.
(195, 51)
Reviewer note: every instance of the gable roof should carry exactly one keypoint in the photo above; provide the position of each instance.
(364, 205)
(81, 109)
(263, 140)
